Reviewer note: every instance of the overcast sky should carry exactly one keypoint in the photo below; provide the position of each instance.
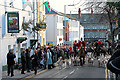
(59, 5)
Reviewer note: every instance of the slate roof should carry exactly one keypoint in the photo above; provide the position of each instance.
(60, 13)
(86, 18)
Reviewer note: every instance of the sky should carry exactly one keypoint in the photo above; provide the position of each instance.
(59, 5)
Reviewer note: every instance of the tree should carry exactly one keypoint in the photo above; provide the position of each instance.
(108, 8)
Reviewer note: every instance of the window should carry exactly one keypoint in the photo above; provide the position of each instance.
(61, 32)
(43, 41)
(23, 19)
(58, 31)
(29, 13)
(23, 22)
(9, 47)
(57, 19)
(75, 33)
(60, 19)
(14, 48)
(24, 45)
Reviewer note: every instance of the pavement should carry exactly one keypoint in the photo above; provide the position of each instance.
(88, 71)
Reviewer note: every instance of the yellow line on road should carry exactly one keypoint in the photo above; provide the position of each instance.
(35, 75)
(105, 71)
(109, 74)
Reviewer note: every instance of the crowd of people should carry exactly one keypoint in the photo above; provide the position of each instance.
(44, 57)
(41, 57)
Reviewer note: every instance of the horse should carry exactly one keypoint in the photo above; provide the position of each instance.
(82, 54)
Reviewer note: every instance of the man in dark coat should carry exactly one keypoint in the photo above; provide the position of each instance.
(23, 61)
(10, 62)
(27, 60)
(114, 62)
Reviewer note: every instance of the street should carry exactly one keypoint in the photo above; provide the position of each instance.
(60, 39)
(87, 71)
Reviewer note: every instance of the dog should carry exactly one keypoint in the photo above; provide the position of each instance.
(90, 59)
(67, 64)
(60, 63)
(103, 60)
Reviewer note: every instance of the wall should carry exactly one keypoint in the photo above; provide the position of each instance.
(60, 29)
(73, 30)
(0, 41)
(53, 26)
(81, 32)
(7, 39)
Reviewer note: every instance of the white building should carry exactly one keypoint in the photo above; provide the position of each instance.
(9, 40)
(54, 32)
(76, 31)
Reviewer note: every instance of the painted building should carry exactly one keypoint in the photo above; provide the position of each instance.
(74, 31)
(41, 19)
(95, 27)
(54, 31)
(15, 41)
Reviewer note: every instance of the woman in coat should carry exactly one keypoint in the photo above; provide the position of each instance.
(34, 58)
(49, 59)
(23, 62)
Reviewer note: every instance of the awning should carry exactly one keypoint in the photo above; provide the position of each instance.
(33, 42)
(21, 39)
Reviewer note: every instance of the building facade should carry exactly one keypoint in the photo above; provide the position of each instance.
(95, 27)
(16, 41)
(54, 31)
(74, 31)
(41, 20)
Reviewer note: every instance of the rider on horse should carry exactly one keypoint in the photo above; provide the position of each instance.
(82, 51)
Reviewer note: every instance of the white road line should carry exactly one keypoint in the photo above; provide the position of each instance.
(72, 72)
(65, 77)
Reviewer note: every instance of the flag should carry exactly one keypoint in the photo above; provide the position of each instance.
(47, 6)
(24, 1)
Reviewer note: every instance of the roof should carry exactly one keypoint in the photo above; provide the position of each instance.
(86, 18)
(60, 13)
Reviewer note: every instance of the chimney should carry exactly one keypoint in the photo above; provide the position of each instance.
(79, 13)
(91, 12)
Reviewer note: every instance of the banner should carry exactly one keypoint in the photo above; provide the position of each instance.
(13, 22)
(49, 43)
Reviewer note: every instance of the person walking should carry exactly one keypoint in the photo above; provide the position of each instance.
(34, 58)
(49, 59)
(23, 61)
(27, 60)
(10, 62)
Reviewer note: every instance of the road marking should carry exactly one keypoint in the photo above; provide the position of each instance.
(72, 72)
(35, 75)
(65, 77)
(58, 72)
(105, 72)
(109, 74)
